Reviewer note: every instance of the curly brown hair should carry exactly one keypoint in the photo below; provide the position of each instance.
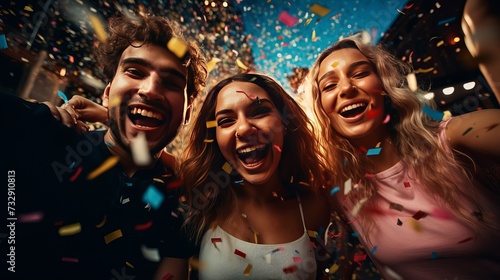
(155, 30)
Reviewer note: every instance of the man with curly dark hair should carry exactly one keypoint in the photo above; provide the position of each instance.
(99, 204)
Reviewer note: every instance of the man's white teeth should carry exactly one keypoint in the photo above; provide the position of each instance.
(351, 107)
(250, 149)
(146, 113)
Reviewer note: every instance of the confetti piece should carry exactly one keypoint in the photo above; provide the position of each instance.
(347, 186)
(215, 240)
(113, 236)
(143, 226)
(77, 173)
(370, 176)
(333, 268)
(412, 82)
(387, 119)
(175, 184)
(407, 184)
(359, 257)
(227, 168)
(99, 28)
(248, 269)
(435, 115)
(434, 255)
(241, 64)
(319, 10)
(62, 96)
(419, 215)
(442, 214)
(290, 269)
(467, 131)
(396, 206)
(420, 70)
(101, 223)
(33, 217)
(378, 145)
(211, 124)
(401, 12)
(129, 264)
(239, 181)
(107, 164)
(28, 9)
(151, 254)
(208, 140)
(445, 21)
(355, 234)
(358, 206)
(399, 222)
(70, 229)
(177, 47)
(374, 249)
(465, 240)
(312, 233)
(297, 260)
(196, 264)
(140, 150)
(211, 64)
(114, 101)
(415, 225)
(287, 19)
(153, 197)
(393, 274)
(240, 253)
(334, 190)
(373, 151)
(167, 276)
(335, 64)
(67, 259)
(277, 148)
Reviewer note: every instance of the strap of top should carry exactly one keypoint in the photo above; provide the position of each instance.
(301, 212)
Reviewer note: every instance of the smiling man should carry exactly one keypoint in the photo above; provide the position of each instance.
(84, 206)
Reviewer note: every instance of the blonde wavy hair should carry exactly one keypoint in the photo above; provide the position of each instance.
(209, 189)
(414, 134)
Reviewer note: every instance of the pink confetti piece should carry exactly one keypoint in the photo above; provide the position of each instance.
(287, 19)
(67, 259)
(250, 96)
(277, 148)
(290, 269)
(33, 217)
(240, 253)
(387, 119)
(442, 214)
(465, 240)
(77, 173)
(407, 184)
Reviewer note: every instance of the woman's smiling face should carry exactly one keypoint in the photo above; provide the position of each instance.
(249, 132)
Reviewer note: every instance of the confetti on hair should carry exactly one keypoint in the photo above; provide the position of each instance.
(107, 164)
(70, 229)
(415, 225)
(369, 176)
(399, 222)
(407, 184)
(140, 150)
(151, 254)
(241, 64)
(312, 233)
(467, 131)
(208, 140)
(434, 255)
(167, 276)
(227, 167)
(358, 206)
(419, 215)
(393, 274)
(62, 96)
(347, 186)
(144, 226)
(33, 217)
(373, 151)
(334, 190)
(211, 64)
(333, 268)
(99, 225)
(387, 119)
(153, 197)
(211, 124)
(99, 28)
(290, 269)
(319, 10)
(435, 115)
(113, 236)
(248, 269)
(396, 206)
(240, 253)
(465, 240)
(67, 259)
(374, 249)
(177, 47)
(3, 42)
(77, 173)
(277, 148)
(109, 143)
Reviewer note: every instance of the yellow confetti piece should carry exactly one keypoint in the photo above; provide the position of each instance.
(308, 21)
(195, 263)
(335, 64)
(101, 223)
(412, 81)
(99, 29)
(447, 115)
(28, 8)
(227, 168)
(247, 270)
(420, 70)
(208, 140)
(427, 58)
(177, 47)
(312, 233)
(107, 164)
(255, 237)
(333, 268)
(440, 43)
(378, 144)
(211, 124)
(159, 180)
(113, 236)
(241, 64)
(129, 264)
(211, 64)
(114, 101)
(415, 225)
(70, 229)
(319, 10)
(313, 36)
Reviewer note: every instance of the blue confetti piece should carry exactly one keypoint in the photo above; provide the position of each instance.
(345, 162)
(374, 250)
(3, 42)
(72, 165)
(153, 197)
(239, 182)
(434, 255)
(355, 234)
(129, 184)
(321, 231)
(334, 190)
(445, 21)
(435, 115)
(373, 151)
(63, 96)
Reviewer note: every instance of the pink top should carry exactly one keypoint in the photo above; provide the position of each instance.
(435, 245)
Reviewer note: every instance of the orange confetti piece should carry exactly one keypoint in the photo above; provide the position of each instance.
(211, 124)
(212, 63)
(101, 223)
(177, 47)
(227, 168)
(107, 164)
(113, 236)
(312, 233)
(208, 140)
(247, 270)
(99, 29)
(335, 64)
(70, 229)
(319, 10)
